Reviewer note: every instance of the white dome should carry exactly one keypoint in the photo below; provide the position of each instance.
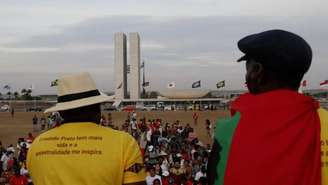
(184, 94)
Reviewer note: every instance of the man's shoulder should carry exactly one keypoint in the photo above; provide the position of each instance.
(46, 134)
(323, 114)
(90, 129)
(227, 124)
(323, 111)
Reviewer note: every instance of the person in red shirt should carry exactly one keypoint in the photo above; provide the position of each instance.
(30, 138)
(18, 179)
(165, 178)
(195, 117)
(186, 181)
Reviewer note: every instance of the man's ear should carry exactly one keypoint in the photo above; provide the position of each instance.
(256, 71)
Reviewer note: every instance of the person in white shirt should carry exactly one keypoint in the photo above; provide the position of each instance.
(164, 164)
(5, 158)
(201, 173)
(148, 135)
(11, 148)
(152, 176)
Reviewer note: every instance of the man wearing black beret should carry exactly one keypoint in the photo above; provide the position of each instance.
(273, 136)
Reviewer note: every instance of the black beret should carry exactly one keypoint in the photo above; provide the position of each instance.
(277, 50)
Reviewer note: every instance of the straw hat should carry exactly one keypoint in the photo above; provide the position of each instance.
(76, 91)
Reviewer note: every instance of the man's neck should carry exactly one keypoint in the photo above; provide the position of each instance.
(268, 88)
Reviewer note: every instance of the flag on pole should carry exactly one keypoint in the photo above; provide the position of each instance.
(31, 87)
(196, 84)
(220, 84)
(146, 84)
(304, 83)
(119, 86)
(54, 83)
(171, 85)
(324, 84)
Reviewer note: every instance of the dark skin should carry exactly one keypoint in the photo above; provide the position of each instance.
(259, 80)
(91, 113)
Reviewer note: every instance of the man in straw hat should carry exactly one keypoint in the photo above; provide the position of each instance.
(80, 151)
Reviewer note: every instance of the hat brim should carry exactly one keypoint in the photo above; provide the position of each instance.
(243, 58)
(79, 103)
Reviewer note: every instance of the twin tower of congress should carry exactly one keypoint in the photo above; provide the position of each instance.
(122, 68)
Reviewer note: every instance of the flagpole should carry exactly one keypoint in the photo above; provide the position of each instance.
(143, 79)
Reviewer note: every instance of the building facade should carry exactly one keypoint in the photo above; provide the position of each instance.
(134, 59)
(120, 56)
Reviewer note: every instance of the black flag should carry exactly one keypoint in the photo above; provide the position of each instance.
(196, 84)
(119, 87)
(220, 84)
(54, 83)
(146, 84)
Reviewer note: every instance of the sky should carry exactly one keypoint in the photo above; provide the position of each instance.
(181, 40)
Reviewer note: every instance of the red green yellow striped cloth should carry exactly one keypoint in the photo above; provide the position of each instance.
(275, 138)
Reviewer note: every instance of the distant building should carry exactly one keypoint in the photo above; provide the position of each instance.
(120, 66)
(134, 60)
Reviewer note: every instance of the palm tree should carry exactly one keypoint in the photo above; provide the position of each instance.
(9, 94)
(16, 95)
(24, 94)
(29, 92)
(23, 91)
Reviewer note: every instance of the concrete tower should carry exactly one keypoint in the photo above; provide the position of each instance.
(134, 58)
(120, 66)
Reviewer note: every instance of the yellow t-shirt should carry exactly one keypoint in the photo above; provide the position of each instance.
(323, 114)
(85, 153)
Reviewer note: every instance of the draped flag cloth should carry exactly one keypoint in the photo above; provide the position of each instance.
(275, 140)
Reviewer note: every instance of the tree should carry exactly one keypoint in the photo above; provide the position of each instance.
(23, 91)
(26, 94)
(9, 94)
(29, 92)
(16, 95)
(153, 94)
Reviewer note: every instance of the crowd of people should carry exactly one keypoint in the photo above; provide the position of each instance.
(44, 123)
(13, 169)
(172, 152)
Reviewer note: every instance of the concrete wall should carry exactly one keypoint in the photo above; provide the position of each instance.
(134, 59)
(120, 66)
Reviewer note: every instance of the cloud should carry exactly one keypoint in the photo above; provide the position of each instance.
(179, 49)
(26, 50)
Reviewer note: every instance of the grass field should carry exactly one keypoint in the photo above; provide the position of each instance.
(11, 128)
